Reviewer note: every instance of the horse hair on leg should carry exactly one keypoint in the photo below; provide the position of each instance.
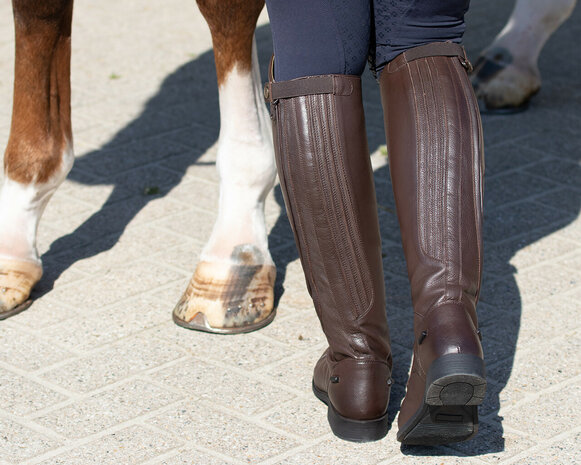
(232, 289)
(506, 74)
(39, 153)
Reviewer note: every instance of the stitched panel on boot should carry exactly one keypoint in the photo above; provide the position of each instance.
(432, 152)
(340, 207)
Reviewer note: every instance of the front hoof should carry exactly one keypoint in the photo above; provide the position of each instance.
(503, 86)
(17, 278)
(227, 299)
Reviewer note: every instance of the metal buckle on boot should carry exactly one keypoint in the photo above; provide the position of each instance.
(268, 98)
(465, 62)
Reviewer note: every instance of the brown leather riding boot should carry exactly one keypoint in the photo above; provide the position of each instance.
(436, 162)
(327, 182)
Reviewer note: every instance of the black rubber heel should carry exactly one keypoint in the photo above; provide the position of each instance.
(456, 379)
(455, 386)
(353, 430)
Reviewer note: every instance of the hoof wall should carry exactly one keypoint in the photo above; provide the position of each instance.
(17, 278)
(227, 298)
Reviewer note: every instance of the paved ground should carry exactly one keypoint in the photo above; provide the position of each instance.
(96, 373)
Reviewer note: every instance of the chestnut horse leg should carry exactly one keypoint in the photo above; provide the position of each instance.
(232, 288)
(39, 153)
(506, 74)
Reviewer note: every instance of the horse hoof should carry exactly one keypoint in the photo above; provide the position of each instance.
(501, 86)
(228, 298)
(17, 278)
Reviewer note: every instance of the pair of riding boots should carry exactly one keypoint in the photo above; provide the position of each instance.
(436, 162)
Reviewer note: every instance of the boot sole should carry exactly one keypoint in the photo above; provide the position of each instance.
(353, 430)
(455, 386)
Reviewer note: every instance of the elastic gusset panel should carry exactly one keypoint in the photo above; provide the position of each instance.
(342, 226)
(432, 139)
(448, 152)
(313, 160)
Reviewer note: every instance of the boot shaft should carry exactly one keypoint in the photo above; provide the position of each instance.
(327, 183)
(436, 162)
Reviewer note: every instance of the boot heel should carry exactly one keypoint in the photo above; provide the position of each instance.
(455, 386)
(456, 379)
(353, 430)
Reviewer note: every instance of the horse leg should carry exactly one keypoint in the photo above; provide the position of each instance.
(232, 289)
(39, 153)
(506, 74)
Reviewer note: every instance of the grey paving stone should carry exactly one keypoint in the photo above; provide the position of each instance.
(217, 385)
(297, 372)
(119, 284)
(561, 452)
(244, 351)
(394, 261)
(95, 328)
(298, 331)
(520, 219)
(545, 281)
(336, 452)
(196, 457)
(516, 255)
(45, 312)
(198, 193)
(129, 446)
(19, 443)
(20, 396)
(111, 364)
(192, 165)
(533, 418)
(547, 320)
(547, 365)
(191, 223)
(493, 444)
(184, 256)
(100, 411)
(295, 294)
(497, 397)
(28, 352)
(559, 145)
(221, 432)
(509, 157)
(90, 189)
(134, 244)
(305, 417)
(513, 187)
(567, 172)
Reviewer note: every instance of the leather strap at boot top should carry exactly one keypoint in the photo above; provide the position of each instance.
(441, 49)
(336, 84)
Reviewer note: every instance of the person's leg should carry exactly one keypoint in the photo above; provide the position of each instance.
(327, 182)
(314, 37)
(404, 24)
(436, 162)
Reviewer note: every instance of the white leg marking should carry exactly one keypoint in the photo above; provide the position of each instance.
(531, 24)
(245, 164)
(516, 51)
(21, 207)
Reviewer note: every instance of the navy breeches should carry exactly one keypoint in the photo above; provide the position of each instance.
(314, 37)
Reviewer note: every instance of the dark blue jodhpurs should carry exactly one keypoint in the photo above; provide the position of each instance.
(314, 37)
